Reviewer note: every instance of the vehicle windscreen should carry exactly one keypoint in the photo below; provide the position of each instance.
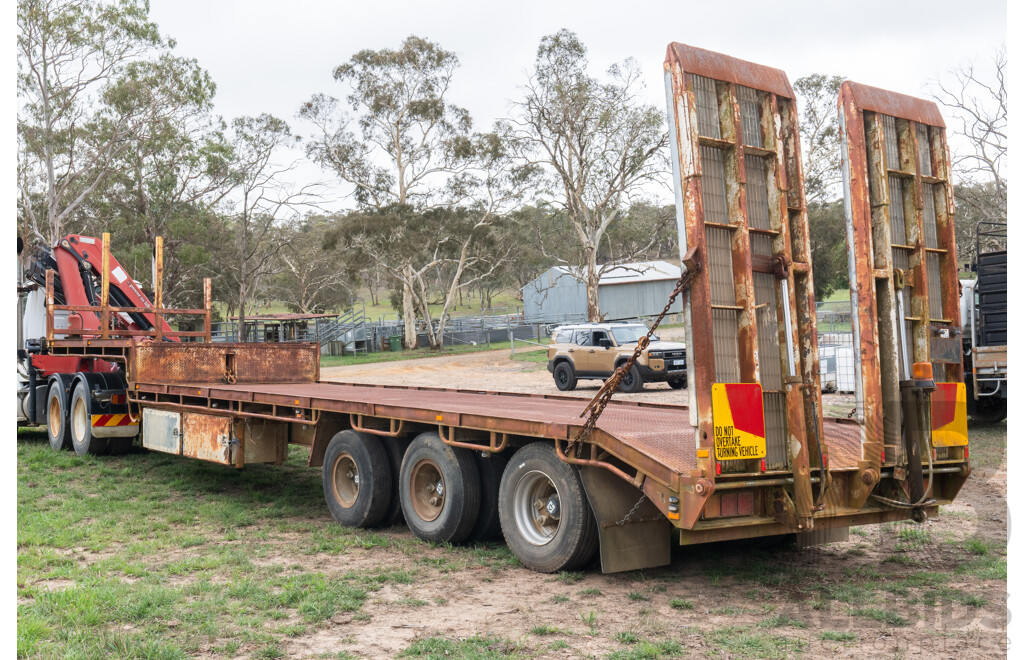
(629, 334)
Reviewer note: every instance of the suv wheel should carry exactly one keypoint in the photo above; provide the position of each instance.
(565, 377)
(632, 381)
(678, 383)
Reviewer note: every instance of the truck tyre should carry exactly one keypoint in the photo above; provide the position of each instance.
(545, 515)
(488, 523)
(989, 410)
(396, 448)
(80, 422)
(440, 490)
(357, 479)
(57, 428)
(565, 377)
(677, 383)
(632, 381)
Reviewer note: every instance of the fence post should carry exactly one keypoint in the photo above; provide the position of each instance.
(511, 342)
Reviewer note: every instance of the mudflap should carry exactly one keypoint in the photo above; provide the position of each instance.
(642, 541)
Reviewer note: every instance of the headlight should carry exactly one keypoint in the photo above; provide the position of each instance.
(656, 355)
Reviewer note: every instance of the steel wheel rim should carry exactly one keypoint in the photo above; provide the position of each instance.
(54, 418)
(427, 489)
(345, 477)
(537, 506)
(79, 420)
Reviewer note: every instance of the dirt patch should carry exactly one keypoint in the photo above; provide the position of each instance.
(700, 593)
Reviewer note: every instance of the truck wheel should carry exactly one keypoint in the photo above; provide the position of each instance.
(677, 384)
(440, 490)
(565, 377)
(396, 448)
(357, 479)
(80, 421)
(57, 427)
(989, 410)
(545, 515)
(632, 381)
(488, 524)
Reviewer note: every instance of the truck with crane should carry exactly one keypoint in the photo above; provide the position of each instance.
(560, 478)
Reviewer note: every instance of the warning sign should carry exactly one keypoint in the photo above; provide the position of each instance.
(949, 415)
(737, 411)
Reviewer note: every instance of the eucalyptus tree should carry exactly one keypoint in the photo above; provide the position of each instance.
(91, 80)
(261, 200)
(599, 147)
(817, 95)
(974, 95)
(411, 157)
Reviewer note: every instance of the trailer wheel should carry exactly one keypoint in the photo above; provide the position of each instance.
(440, 490)
(632, 381)
(396, 448)
(57, 428)
(677, 383)
(357, 479)
(565, 377)
(488, 524)
(80, 418)
(545, 515)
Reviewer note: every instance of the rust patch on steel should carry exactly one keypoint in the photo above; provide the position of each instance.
(780, 152)
(206, 437)
(877, 200)
(729, 69)
(893, 103)
(171, 363)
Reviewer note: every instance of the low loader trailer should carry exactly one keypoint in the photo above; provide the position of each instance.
(559, 478)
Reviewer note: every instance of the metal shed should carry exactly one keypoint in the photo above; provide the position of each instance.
(626, 291)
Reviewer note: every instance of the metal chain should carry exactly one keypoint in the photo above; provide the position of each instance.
(632, 511)
(604, 395)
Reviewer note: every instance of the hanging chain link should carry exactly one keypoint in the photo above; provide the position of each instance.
(604, 395)
(636, 506)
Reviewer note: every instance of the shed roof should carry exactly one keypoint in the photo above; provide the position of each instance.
(638, 271)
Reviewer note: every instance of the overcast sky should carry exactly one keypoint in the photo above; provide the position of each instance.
(270, 56)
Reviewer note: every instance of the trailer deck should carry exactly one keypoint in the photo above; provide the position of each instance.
(658, 435)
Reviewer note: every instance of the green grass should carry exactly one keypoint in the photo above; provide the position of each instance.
(547, 630)
(472, 648)
(680, 604)
(734, 641)
(646, 650)
(837, 636)
(988, 445)
(887, 617)
(155, 556)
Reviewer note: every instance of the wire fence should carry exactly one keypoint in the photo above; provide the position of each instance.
(835, 346)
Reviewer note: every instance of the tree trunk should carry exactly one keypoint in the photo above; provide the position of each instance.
(242, 334)
(408, 311)
(593, 279)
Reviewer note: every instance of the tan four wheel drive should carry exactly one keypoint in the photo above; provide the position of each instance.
(595, 350)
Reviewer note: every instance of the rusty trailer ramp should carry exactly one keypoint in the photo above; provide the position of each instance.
(750, 310)
(904, 285)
